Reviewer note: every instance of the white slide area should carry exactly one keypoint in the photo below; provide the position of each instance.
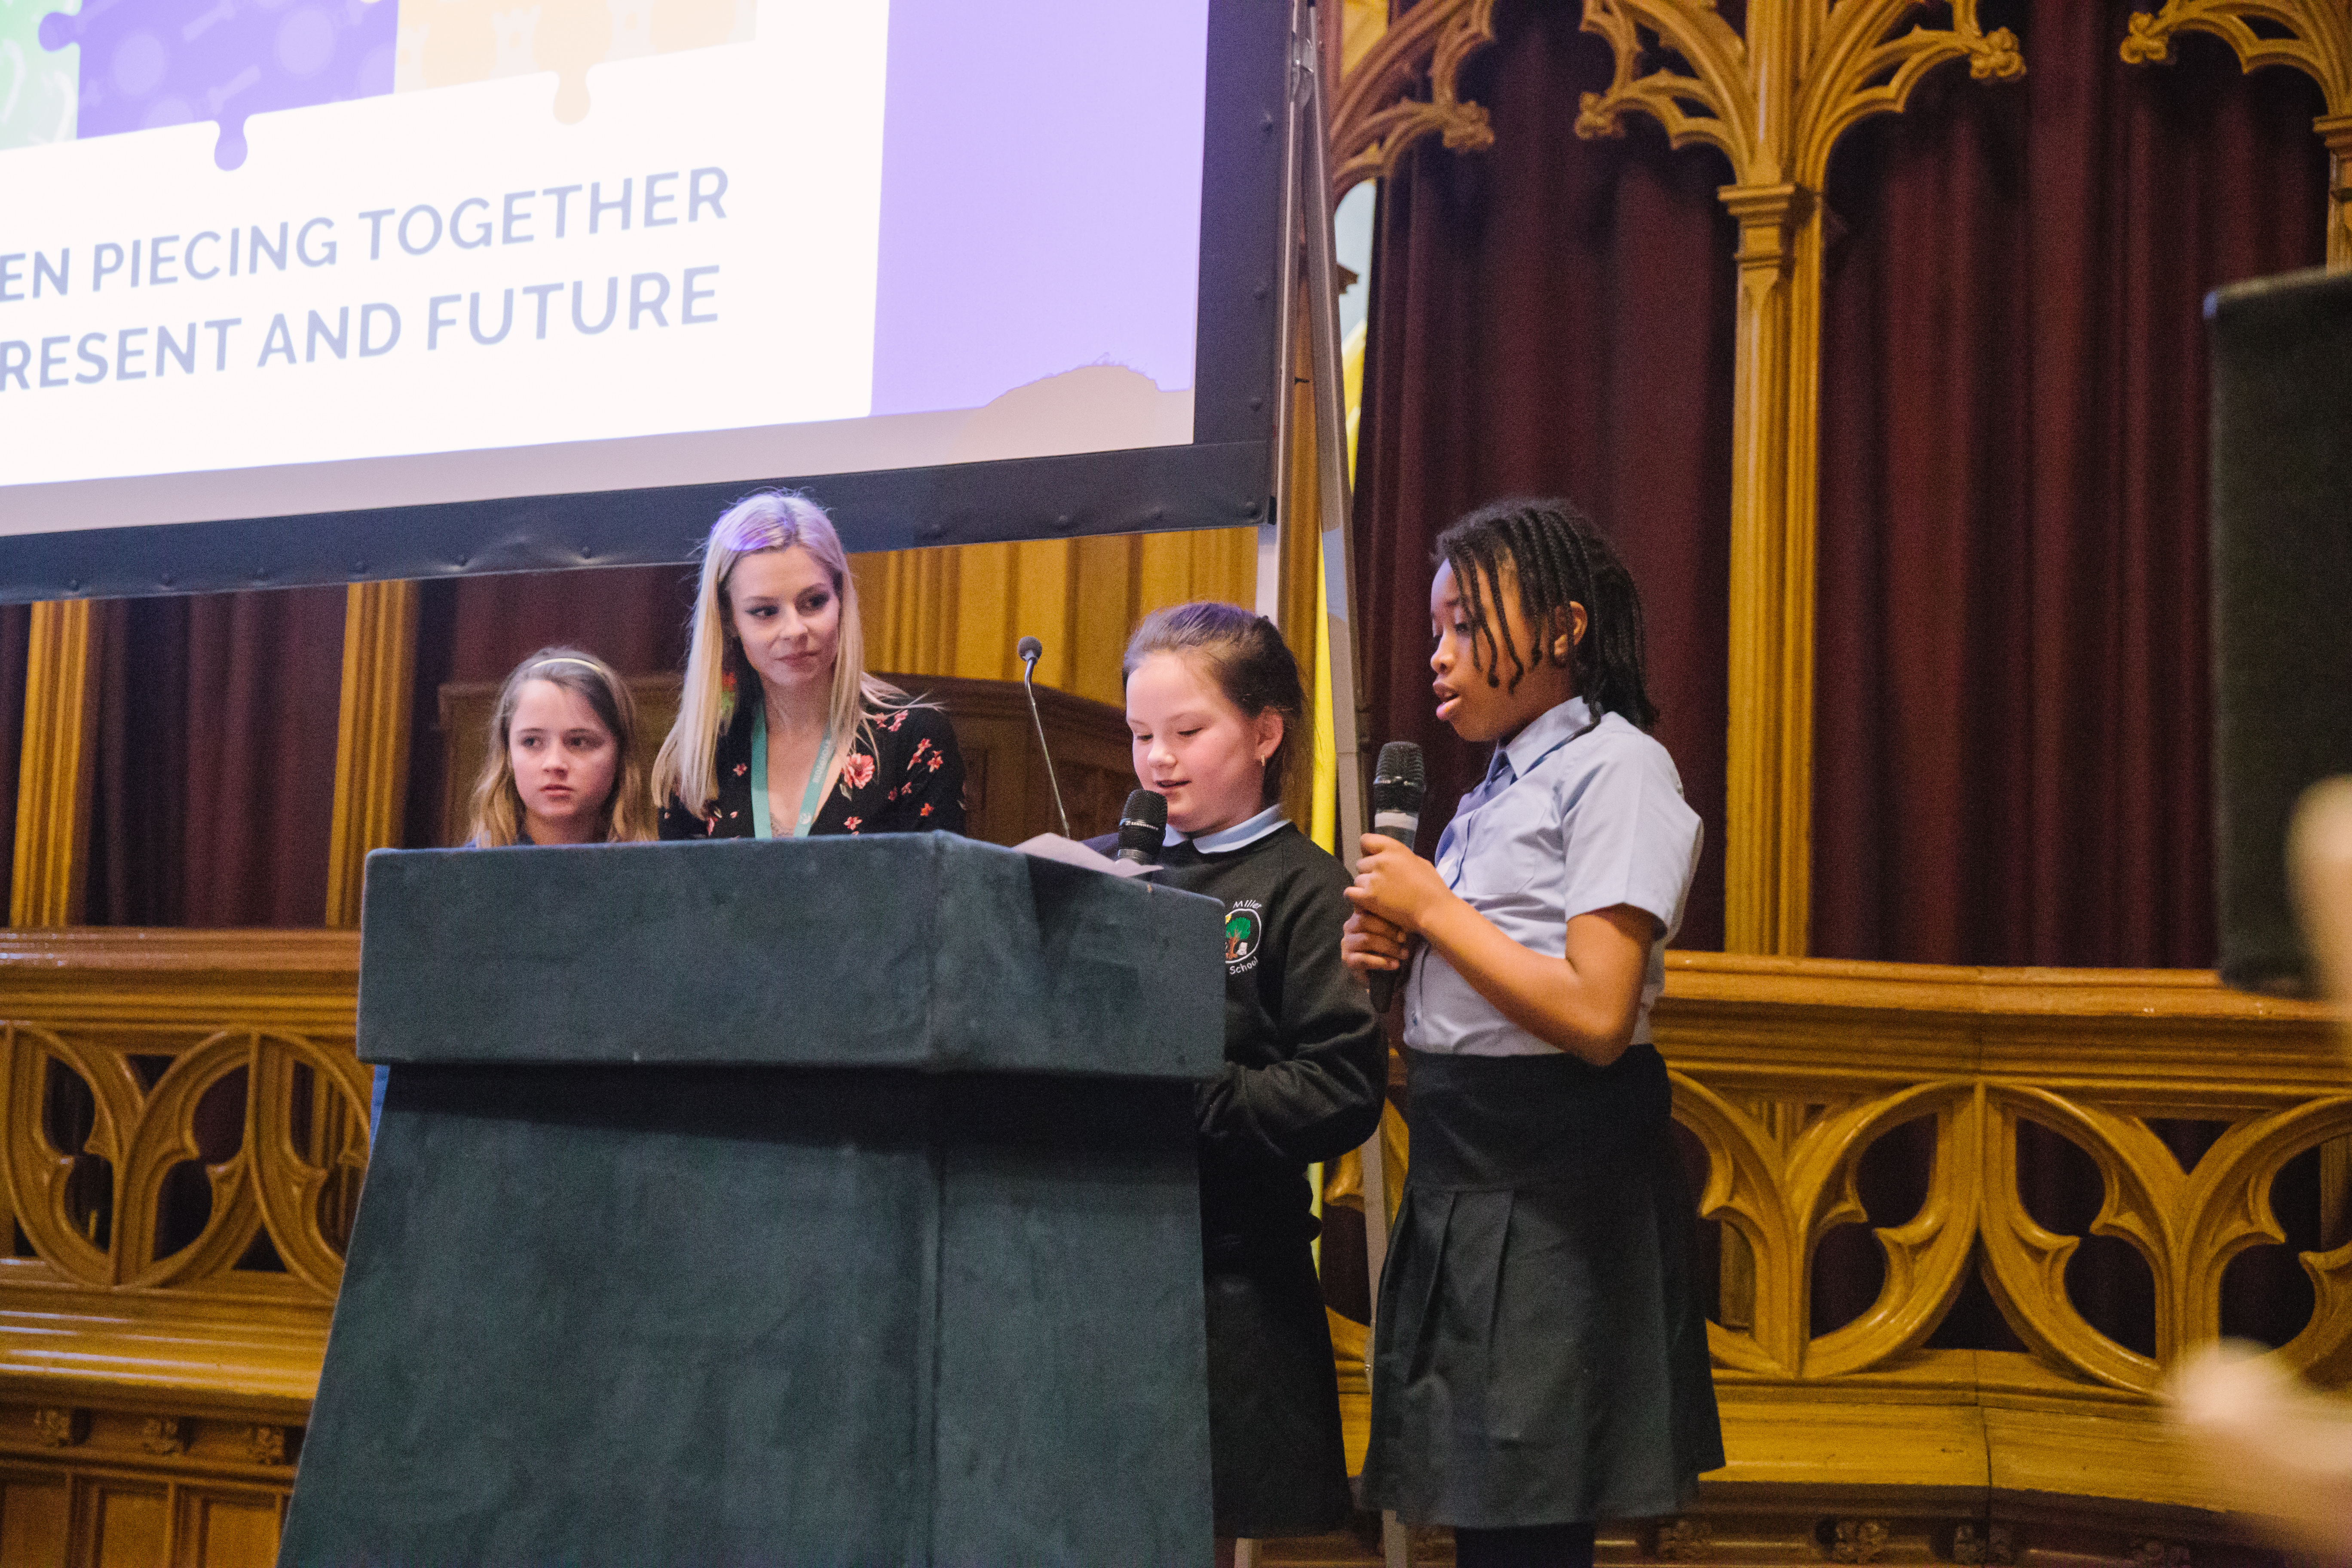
(478, 252)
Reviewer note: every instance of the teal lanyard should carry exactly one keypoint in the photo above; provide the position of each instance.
(761, 824)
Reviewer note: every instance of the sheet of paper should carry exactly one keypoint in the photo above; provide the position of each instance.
(1069, 852)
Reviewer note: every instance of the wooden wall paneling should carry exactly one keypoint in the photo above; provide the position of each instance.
(1103, 612)
(371, 736)
(215, 1529)
(959, 611)
(1045, 606)
(142, 1491)
(56, 769)
(35, 1517)
(982, 612)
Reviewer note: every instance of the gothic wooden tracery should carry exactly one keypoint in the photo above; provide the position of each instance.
(1774, 100)
(2313, 36)
(1375, 117)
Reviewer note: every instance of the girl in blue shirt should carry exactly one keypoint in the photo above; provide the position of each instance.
(1541, 1361)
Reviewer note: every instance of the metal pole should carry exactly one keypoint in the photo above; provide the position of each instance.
(1339, 594)
(1332, 455)
(1297, 81)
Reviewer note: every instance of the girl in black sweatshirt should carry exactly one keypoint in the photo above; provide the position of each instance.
(1214, 703)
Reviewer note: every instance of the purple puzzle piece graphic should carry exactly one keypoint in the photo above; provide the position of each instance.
(150, 63)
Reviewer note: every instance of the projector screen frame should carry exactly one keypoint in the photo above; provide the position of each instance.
(1221, 480)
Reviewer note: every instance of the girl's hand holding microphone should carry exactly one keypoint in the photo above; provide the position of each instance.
(1394, 892)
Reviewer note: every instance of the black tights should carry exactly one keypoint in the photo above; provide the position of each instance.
(1527, 1546)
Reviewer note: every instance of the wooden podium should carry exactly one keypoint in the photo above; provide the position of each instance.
(817, 1202)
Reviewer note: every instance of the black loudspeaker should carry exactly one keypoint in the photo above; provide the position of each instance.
(2282, 595)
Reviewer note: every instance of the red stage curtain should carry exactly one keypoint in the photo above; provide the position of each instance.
(1555, 317)
(2014, 716)
(2013, 710)
(214, 793)
(479, 628)
(2013, 703)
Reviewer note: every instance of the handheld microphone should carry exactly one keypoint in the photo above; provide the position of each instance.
(1030, 650)
(1143, 828)
(1398, 784)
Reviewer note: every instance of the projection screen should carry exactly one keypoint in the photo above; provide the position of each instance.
(306, 290)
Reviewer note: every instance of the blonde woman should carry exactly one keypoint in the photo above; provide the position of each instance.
(561, 766)
(780, 733)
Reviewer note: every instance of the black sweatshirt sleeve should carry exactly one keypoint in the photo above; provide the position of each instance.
(1320, 1094)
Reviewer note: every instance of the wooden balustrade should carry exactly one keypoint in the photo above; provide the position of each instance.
(184, 1137)
(184, 1133)
(1862, 1444)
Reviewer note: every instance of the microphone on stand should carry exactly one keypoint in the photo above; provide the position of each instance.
(1030, 651)
(1143, 828)
(1398, 784)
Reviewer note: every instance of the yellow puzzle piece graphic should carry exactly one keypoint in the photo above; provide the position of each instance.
(445, 42)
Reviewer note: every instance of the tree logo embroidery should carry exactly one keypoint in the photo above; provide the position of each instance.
(1245, 930)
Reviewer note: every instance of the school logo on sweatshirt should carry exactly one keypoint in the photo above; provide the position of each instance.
(1244, 932)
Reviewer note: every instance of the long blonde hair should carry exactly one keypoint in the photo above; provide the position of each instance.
(626, 814)
(686, 765)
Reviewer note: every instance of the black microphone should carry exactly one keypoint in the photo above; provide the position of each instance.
(1398, 784)
(1030, 651)
(1143, 828)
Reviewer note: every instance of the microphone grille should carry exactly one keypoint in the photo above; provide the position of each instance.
(1147, 808)
(1029, 649)
(1400, 779)
(1400, 763)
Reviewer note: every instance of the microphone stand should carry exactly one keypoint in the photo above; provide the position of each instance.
(1031, 651)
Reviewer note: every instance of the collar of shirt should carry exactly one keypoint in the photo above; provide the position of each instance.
(1546, 734)
(1233, 837)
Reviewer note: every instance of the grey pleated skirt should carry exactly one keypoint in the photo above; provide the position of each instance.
(1540, 1356)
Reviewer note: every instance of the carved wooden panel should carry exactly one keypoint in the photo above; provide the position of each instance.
(1787, 1072)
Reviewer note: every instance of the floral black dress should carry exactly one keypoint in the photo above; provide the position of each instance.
(904, 776)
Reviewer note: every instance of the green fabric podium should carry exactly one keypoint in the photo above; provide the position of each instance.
(817, 1202)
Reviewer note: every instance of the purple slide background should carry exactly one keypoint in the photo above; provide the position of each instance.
(1040, 178)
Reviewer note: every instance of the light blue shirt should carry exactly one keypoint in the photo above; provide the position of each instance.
(1572, 817)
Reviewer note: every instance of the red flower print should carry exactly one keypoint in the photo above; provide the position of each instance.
(921, 747)
(851, 822)
(935, 759)
(895, 723)
(857, 771)
(926, 811)
(742, 768)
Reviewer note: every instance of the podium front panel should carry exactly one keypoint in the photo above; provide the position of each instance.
(633, 1308)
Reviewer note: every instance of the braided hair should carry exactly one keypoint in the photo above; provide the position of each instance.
(1557, 558)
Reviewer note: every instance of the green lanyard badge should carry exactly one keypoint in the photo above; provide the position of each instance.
(761, 824)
